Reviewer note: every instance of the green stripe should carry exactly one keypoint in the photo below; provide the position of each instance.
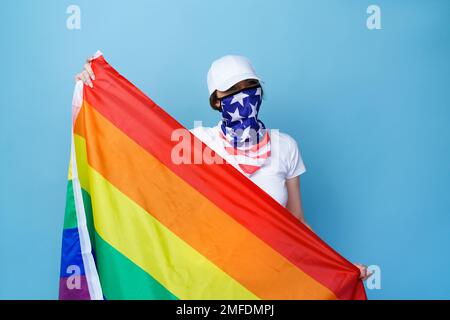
(70, 216)
(120, 278)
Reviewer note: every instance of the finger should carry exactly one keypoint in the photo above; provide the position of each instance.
(365, 278)
(87, 79)
(82, 78)
(88, 68)
(368, 275)
(363, 272)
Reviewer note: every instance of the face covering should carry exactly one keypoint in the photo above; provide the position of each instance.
(240, 116)
(245, 137)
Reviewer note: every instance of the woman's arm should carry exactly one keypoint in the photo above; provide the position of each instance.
(294, 203)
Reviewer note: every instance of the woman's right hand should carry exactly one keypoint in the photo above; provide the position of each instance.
(87, 75)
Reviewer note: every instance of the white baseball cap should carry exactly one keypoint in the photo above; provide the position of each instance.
(229, 70)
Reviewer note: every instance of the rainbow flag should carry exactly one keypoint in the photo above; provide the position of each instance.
(140, 226)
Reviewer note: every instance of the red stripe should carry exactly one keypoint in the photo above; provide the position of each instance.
(221, 183)
(247, 168)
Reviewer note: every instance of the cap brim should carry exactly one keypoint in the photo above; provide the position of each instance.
(237, 78)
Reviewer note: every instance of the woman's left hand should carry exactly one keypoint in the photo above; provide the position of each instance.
(363, 271)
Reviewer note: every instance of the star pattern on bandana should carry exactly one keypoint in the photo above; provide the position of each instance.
(254, 111)
(239, 98)
(240, 114)
(245, 137)
(235, 116)
(245, 134)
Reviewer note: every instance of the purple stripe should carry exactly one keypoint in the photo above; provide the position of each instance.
(68, 292)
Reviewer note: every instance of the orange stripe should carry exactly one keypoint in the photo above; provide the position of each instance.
(191, 216)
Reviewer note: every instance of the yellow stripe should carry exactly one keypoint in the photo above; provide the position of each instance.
(150, 245)
(69, 174)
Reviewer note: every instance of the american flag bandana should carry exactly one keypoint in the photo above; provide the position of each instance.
(244, 136)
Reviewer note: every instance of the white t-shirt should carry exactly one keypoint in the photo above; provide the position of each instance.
(285, 161)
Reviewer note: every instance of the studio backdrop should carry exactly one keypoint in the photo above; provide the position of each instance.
(362, 86)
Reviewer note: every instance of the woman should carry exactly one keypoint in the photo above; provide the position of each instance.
(270, 159)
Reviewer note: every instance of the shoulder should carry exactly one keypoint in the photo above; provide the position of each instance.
(284, 140)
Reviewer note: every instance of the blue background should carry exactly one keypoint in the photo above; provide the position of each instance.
(369, 109)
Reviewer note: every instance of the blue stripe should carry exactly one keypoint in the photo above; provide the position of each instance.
(71, 253)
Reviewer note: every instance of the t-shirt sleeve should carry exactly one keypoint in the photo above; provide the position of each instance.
(295, 163)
